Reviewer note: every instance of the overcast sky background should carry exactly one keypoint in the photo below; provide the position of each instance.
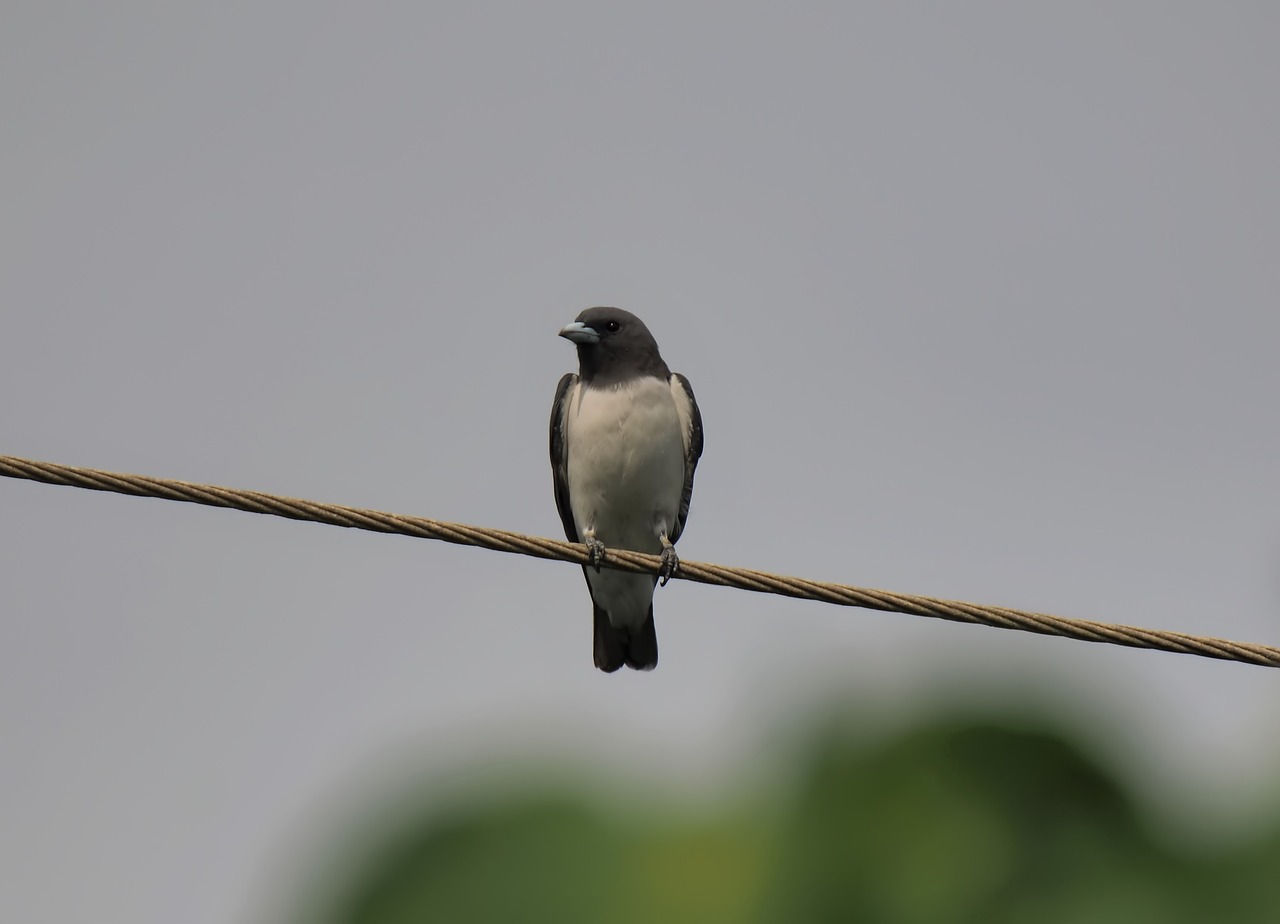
(978, 301)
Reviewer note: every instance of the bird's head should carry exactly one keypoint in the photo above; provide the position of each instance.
(611, 342)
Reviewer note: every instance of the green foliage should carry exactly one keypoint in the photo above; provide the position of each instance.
(958, 821)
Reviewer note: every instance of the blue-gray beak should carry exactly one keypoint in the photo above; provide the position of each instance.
(579, 333)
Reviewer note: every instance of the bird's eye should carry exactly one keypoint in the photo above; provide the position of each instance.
(612, 327)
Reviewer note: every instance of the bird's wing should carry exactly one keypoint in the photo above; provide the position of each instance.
(560, 454)
(691, 431)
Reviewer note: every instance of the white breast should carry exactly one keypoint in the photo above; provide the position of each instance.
(626, 450)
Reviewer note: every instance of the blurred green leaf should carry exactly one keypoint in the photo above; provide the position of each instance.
(959, 820)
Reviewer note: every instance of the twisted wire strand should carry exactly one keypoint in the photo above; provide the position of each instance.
(501, 540)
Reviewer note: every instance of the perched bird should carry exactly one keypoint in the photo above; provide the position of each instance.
(626, 436)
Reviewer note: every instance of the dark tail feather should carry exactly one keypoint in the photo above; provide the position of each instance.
(616, 646)
(609, 643)
(642, 652)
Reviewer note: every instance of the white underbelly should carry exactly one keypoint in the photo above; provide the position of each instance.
(626, 463)
(626, 472)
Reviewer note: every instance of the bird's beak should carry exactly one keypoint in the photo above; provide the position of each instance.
(579, 333)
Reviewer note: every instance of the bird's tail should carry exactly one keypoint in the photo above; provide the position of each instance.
(615, 646)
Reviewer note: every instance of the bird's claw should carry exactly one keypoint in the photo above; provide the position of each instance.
(595, 549)
(670, 562)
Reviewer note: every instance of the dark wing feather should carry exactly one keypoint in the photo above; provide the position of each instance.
(691, 456)
(560, 455)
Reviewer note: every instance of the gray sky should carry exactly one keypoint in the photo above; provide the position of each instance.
(977, 301)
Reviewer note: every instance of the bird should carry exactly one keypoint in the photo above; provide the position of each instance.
(626, 437)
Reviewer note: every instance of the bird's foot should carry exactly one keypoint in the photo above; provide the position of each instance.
(595, 548)
(670, 563)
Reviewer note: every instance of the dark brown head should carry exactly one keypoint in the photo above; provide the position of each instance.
(614, 346)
